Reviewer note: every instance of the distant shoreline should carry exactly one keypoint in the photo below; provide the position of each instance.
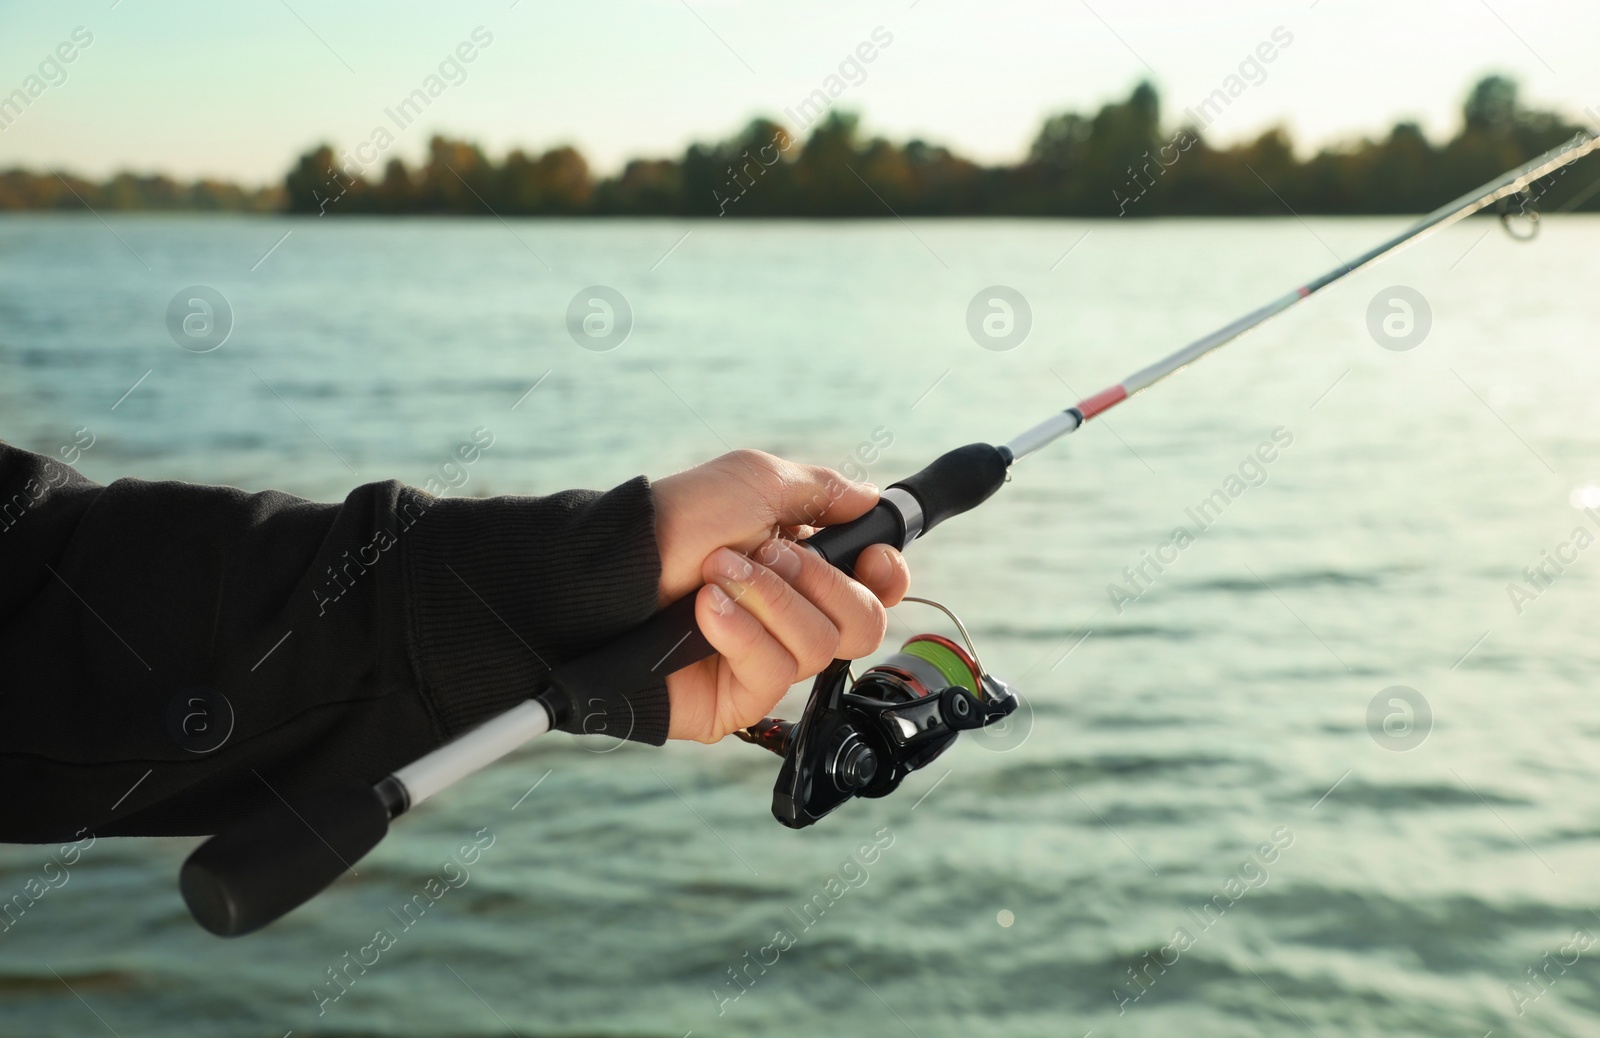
(1119, 162)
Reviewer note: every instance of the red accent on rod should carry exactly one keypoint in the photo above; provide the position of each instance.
(1304, 291)
(1092, 405)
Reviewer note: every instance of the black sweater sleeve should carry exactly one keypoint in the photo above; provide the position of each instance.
(176, 654)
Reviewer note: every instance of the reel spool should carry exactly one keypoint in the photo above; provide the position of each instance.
(860, 737)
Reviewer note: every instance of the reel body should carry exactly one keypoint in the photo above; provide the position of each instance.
(860, 737)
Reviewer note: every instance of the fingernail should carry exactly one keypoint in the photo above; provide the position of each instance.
(720, 602)
(782, 558)
(867, 570)
(734, 566)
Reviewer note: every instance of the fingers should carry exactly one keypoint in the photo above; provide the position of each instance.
(778, 618)
(799, 626)
(761, 667)
(883, 571)
(855, 612)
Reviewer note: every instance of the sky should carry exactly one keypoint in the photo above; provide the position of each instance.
(238, 90)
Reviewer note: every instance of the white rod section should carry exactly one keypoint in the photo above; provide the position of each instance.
(478, 748)
(1057, 425)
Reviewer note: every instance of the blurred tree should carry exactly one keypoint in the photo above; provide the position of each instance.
(313, 184)
(457, 178)
(397, 192)
(749, 174)
(561, 176)
(826, 174)
(1053, 174)
(1121, 161)
(645, 187)
(1395, 175)
(947, 185)
(1492, 107)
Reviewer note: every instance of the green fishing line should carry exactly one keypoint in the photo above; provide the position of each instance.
(950, 666)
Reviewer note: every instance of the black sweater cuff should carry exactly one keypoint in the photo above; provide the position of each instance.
(504, 589)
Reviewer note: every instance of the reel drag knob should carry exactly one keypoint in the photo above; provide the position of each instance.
(854, 764)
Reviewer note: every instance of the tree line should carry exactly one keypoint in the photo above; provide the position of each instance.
(1118, 161)
(23, 190)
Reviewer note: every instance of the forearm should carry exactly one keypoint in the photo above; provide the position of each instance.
(347, 639)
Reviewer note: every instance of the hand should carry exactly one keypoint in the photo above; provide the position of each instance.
(775, 613)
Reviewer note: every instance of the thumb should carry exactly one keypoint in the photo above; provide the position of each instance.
(737, 500)
(814, 495)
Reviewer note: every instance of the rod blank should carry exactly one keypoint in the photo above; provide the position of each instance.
(1504, 186)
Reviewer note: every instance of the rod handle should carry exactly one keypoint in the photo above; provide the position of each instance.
(265, 864)
(841, 545)
(955, 482)
(598, 693)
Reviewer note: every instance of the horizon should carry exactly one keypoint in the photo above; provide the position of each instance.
(705, 71)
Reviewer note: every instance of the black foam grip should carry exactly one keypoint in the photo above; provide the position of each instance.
(266, 864)
(618, 689)
(841, 545)
(957, 481)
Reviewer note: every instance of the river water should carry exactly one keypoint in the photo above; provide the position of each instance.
(1325, 770)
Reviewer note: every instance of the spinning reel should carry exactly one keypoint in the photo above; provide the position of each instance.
(859, 737)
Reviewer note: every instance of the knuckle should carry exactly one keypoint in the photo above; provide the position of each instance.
(830, 481)
(822, 647)
(733, 647)
(767, 553)
(867, 633)
(828, 582)
(769, 583)
(762, 474)
(878, 622)
(752, 459)
(743, 641)
(784, 671)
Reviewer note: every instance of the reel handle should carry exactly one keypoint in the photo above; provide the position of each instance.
(769, 733)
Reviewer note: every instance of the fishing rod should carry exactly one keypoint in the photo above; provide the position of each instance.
(857, 737)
